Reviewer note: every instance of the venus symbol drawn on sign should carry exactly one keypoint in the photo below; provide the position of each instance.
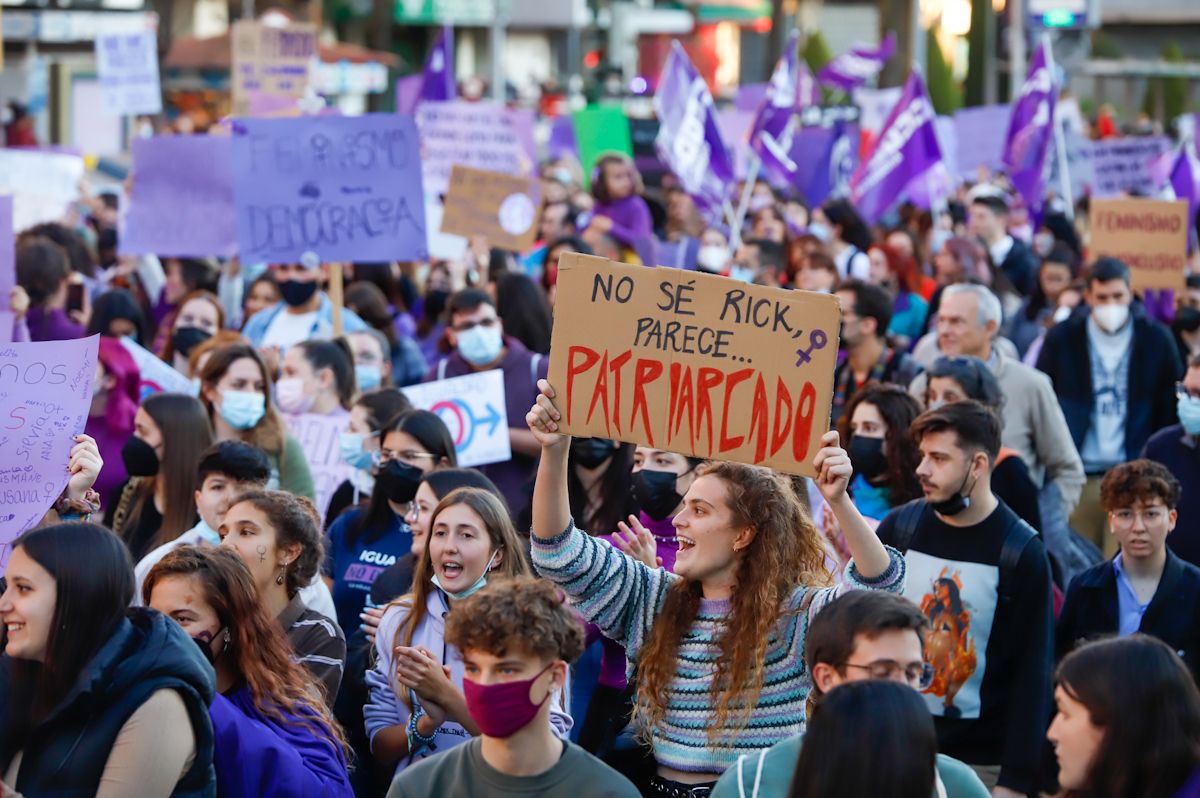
(458, 416)
(816, 341)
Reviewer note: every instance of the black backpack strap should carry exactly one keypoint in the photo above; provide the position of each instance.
(1016, 538)
(908, 518)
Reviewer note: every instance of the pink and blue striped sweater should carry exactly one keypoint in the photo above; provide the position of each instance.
(624, 597)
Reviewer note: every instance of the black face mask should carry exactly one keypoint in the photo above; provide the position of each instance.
(592, 452)
(655, 493)
(435, 303)
(296, 293)
(399, 481)
(205, 647)
(866, 455)
(957, 503)
(185, 339)
(139, 457)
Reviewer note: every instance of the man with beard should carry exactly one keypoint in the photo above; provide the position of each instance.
(866, 312)
(981, 575)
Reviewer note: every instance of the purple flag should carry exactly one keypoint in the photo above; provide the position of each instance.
(826, 157)
(689, 139)
(436, 81)
(8, 269)
(775, 123)
(1031, 132)
(1185, 180)
(182, 200)
(907, 147)
(850, 70)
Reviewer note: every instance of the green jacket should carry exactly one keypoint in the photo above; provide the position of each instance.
(779, 765)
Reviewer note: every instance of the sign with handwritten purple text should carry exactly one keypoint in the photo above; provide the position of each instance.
(338, 188)
(693, 363)
(474, 410)
(8, 254)
(181, 205)
(271, 59)
(319, 437)
(45, 394)
(128, 67)
(1123, 165)
(478, 135)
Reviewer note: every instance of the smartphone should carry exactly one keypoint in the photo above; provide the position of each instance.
(75, 296)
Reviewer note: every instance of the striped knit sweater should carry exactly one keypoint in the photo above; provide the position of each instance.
(623, 598)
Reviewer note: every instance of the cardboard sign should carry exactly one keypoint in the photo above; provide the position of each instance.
(41, 183)
(478, 135)
(181, 205)
(1150, 236)
(474, 411)
(504, 208)
(45, 395)
(271, 60)
(1123, 165)
(8, 254)
(128, 67)
(342, 188)
(693, 363)
(319, 437)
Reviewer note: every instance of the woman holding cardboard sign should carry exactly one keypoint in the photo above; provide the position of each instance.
(733, 617)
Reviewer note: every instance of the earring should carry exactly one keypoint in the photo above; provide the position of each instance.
(279, 578)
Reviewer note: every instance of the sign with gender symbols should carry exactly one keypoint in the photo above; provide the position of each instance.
(473, 409)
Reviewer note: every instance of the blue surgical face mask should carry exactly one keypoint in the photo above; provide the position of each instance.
(480, 345)
(821, 231)
(351, 445)
(479, 584)
(743, 274)
(242, 410)
(1189, 413)
(368, 376)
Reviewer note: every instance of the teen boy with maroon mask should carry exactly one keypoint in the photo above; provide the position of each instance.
(517, 640)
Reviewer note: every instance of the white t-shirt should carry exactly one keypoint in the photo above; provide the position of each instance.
(288, 329)
(1108, 356)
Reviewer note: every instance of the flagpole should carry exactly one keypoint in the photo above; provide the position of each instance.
(735, 233)
(1060, 138)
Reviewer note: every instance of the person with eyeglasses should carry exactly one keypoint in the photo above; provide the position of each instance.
(1176, 448)
(477, 335)
(863, 635)
(1145, 588)
(364, 541)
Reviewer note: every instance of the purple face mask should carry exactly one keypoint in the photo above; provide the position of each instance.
(502, 710)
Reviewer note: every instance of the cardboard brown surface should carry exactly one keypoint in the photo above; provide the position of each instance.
(502, 207)
(1149, 235)
(272, 61)
(693, 363)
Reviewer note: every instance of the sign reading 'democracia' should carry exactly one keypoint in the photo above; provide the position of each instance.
(693, 363)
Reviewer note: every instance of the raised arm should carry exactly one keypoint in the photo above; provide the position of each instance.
(834, 470)
(551, 506)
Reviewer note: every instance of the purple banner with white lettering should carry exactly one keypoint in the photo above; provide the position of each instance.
(340, 188)
(45, 394)
(436, 81)
(826, 158)
(1031, 132)
(689, 139)
(181, 204)
(775, 123)
(851, 69)
(907, 147)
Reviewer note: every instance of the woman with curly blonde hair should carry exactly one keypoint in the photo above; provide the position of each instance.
(718, 644)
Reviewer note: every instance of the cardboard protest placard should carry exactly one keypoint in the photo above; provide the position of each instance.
(181, 205)
(478, 135)
(598, 130)
(45, 395)
(8, 254)
(502, 207)
(319, 437)
(474, 410)
(128, 67)
(41, 183)
(271, 60)
(693, 363)
(342, 188)
(1150, 236)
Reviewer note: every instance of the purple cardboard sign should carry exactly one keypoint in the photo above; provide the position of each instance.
(182, 200)
(340, 188)
(8, 269)
(480, 135)
(980, 142)
(45, 394)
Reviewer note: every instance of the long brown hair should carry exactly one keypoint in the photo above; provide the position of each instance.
(268, 434)
(784, 553)
(295, 520)
(186, 433)
(168, 350)
(500, 532)
(899, 410)
(257, 644)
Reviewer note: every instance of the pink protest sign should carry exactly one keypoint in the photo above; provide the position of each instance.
(45, 393)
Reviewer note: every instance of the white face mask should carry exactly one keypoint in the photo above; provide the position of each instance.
(1111, 318)
(712, 258)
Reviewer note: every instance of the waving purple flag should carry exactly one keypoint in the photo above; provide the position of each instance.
(1185, 180)
(437, 78)
(1031, 131)
(775, 123)
(852, 69)
(907, 148)
(689, 140)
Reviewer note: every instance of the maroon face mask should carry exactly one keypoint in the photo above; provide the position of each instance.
(501, 710)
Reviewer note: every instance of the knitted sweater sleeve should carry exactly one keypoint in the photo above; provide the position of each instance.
(617, 593)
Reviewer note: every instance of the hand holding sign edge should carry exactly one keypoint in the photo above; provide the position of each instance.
(543, 420)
